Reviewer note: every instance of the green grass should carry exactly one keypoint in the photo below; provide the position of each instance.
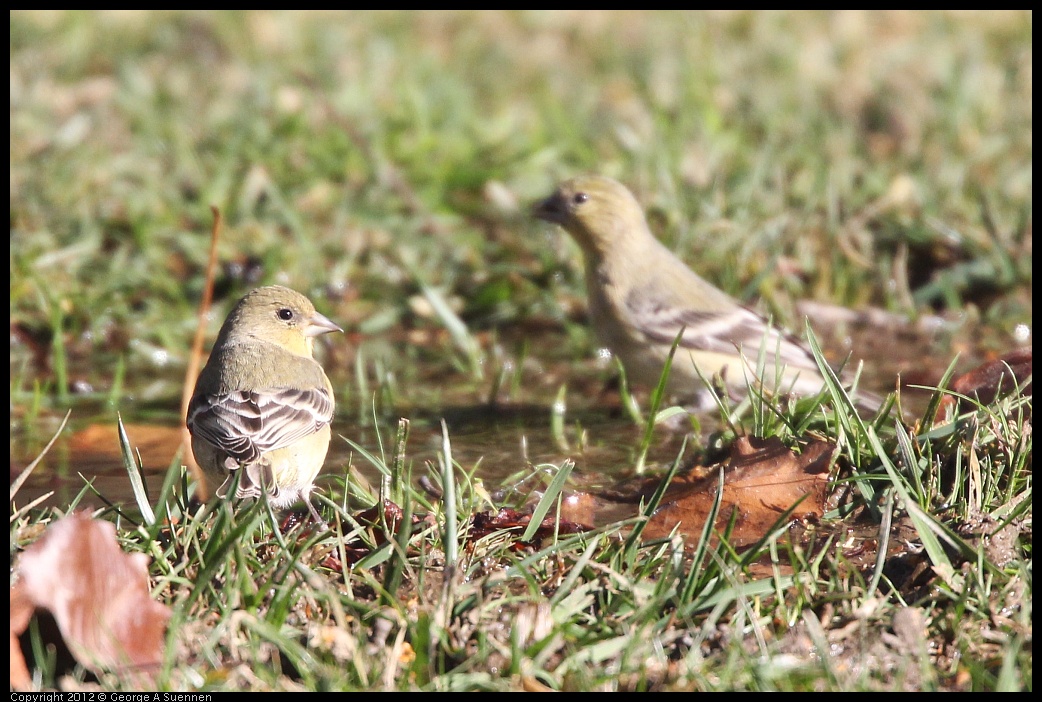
(383, 163)
(443, 605)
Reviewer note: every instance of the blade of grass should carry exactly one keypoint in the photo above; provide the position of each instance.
(448, 500)
(629, 402)
(548, 499)
(697, 574)
(568, 584)
(457, 329)
(930, 531)
(633, 540)
(399, 538)
(16, 484)
(557, 415)
(137, 480)
(657, 396)
(885, 527)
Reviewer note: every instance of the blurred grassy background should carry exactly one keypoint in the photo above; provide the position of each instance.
(384, 163)
(858, 158)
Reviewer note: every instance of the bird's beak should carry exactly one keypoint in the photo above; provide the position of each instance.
(320, 324)
(552, 209)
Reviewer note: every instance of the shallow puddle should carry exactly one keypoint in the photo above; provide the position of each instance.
(501, 444)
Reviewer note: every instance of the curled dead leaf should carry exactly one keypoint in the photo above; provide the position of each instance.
(97, 594)
(762, 479)
(988, 379)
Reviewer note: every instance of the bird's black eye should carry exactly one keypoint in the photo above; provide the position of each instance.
(580, 198)
(285, 314)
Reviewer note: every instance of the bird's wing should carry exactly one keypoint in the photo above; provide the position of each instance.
(725, 332)
(246, 424)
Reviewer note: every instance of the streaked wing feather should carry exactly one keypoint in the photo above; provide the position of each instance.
(247, 424)
(718, 332)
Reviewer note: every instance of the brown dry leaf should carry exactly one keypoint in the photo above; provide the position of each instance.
(97, 594)
(21, 613)
(988, 379)
(157, 444)
(484, 523)
(762, 479)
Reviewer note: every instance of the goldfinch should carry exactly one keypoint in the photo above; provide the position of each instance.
(641, 296)
(262, 405)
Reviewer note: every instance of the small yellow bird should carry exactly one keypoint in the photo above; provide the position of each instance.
(641, 296)
(262, 403)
